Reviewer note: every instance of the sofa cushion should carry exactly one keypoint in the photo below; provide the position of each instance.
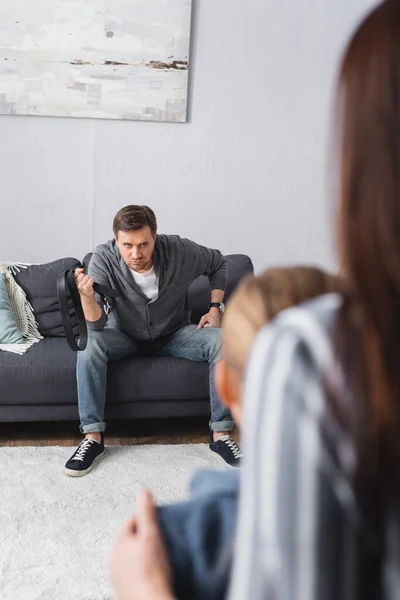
(39, 284)
(46, 375)
(239, 265)
(9, 332)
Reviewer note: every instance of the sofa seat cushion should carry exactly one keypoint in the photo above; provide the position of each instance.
(46, 374)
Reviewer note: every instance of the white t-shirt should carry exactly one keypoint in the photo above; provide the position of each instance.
(148, 283)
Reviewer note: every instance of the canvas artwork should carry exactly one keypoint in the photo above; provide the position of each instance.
(120, 59)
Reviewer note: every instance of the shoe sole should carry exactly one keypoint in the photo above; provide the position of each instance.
(232, 466)
(72, 473)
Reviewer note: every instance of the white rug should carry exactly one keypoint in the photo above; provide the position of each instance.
(56, 531)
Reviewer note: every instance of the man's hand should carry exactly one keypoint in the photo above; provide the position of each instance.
(139, 564)
(84, 283)
(211, 319)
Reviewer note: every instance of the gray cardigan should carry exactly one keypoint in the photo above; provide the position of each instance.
(177, 262)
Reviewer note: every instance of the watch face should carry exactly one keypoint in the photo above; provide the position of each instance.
(222, 308)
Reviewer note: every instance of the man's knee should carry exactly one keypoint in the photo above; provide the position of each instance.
(213, 343)
(96, 345)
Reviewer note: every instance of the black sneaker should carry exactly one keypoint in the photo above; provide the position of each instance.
(81, 462)
(227, 449)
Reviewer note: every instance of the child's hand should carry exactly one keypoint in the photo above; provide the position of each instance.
(139, 564)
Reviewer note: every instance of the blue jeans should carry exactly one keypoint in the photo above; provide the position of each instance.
(199, 535)
(110, 344)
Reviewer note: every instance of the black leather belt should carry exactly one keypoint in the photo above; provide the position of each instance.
(68, 294)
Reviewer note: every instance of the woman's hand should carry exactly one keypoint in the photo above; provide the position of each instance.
(139, 564)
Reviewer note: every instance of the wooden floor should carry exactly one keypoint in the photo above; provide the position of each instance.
(66, 433)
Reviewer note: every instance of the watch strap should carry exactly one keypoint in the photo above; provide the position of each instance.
(215, 305)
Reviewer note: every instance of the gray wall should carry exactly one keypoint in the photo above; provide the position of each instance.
(247, 174)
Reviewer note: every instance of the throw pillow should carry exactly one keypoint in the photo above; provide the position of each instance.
(39, 283)
(9, 332)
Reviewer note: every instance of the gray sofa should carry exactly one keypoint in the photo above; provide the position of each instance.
(41, 384)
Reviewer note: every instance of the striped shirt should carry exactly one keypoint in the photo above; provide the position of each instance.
(300, 534)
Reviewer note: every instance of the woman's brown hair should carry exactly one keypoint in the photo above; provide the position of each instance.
(369, 237)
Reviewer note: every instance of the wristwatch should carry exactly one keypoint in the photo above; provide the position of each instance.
(219, 305)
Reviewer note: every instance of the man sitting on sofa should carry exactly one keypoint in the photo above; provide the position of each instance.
(152, 274)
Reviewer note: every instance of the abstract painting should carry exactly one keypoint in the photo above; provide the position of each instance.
(120, 59)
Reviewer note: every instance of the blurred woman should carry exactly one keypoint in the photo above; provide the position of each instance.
(320, 505)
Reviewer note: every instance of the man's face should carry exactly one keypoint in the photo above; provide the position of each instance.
(136, 248)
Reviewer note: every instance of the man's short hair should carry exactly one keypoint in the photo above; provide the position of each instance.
(134, 217)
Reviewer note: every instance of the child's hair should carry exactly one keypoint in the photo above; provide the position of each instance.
(258, 299)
